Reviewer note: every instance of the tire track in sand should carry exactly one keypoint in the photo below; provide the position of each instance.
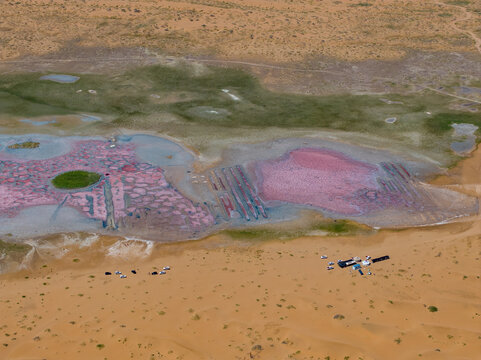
(466, 16)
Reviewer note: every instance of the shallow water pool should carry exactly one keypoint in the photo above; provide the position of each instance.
(59, 78)
(38, 123)
(89, 118)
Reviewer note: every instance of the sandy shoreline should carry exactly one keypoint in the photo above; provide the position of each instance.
(218, 303)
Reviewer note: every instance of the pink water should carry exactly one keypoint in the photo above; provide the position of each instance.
(134, 185)
(318, 177)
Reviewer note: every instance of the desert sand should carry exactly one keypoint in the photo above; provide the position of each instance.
(274, 31)
(225, 299)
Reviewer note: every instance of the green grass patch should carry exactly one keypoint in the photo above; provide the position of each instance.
(361, 4)
(441, 123)
(75, 179)
(127, 96)
(341, 227)
(25, 145)
(458, 2)
(11, 247)
(330, 227)
(257, 234)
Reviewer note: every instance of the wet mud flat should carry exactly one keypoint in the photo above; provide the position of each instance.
(130, 191)
(339, 180)
(362, 191)
(149, 188)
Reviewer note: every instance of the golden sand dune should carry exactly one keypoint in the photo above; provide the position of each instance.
(278, 31)
(263, 301)
(266, 300)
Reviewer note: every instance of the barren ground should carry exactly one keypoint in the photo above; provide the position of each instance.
(280, 31)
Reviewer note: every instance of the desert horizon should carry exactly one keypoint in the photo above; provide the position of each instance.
(240, 179)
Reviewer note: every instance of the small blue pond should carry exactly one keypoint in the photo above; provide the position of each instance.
(64, 79)
(38, 123)
(89, 118)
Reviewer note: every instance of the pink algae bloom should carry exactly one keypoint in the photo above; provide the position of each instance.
(317, 177)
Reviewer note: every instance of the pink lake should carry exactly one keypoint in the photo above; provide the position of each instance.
(318, 177)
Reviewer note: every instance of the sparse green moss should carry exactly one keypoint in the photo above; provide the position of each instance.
(331, 227)
(126, 99)
(25, 145)
(11, 247)
(459, 2)
(128, 96)
(441, 123)
(254, 234)
(362, 4)
(341, 227)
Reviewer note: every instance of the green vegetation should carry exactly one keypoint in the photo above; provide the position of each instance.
(14, 251)
(442, 122)
(10, 247)
(75, 179)
(362, 4)
(459, 2)
(432, 308)
(340, 227)
(128, 96)
(257, 234)
(331, 228)
(180, 100)
(25, 145)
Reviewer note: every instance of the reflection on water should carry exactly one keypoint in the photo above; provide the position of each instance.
(59, 78)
